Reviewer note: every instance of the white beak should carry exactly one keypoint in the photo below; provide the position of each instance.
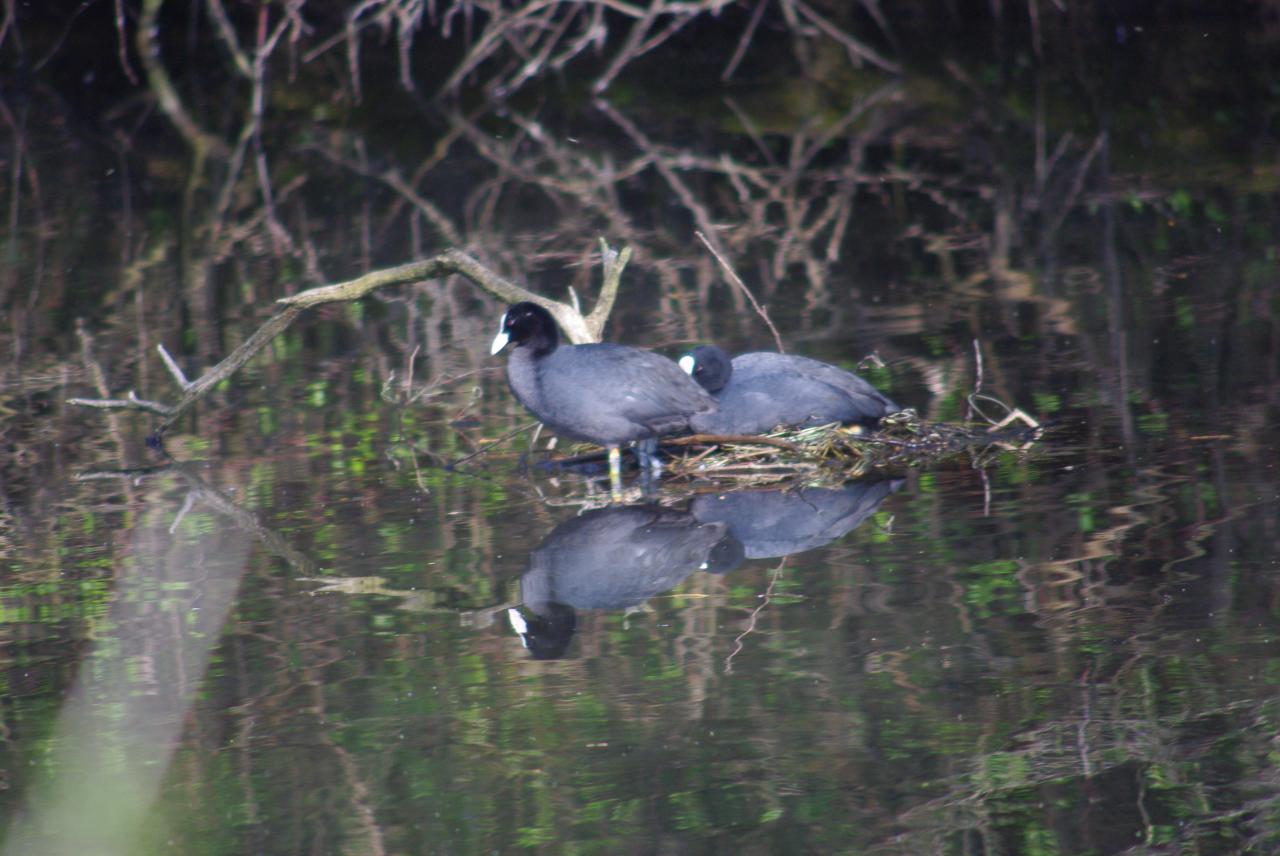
(519, 625)
(687, 363)
(500, 340)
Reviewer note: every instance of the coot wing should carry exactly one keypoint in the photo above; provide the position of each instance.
(617, 393)
(869, 402)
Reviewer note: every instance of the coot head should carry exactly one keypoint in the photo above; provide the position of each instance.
(709, 366)
(545, 634)
(527, 324)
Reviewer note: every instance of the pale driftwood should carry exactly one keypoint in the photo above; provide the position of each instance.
(578, 328)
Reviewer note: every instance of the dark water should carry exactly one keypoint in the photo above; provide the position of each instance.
(296, 631)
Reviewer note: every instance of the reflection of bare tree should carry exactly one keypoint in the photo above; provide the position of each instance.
(794, 209)
(520, 42)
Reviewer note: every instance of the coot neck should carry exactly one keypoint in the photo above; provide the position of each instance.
(716, 370)
(540, 343)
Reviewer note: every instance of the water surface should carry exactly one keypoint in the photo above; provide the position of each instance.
(296, 630)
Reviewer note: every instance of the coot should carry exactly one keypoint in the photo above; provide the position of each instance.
(760, 391)
(605, 394)
(612, 558)
(772, 523)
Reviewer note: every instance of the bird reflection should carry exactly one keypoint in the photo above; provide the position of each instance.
(617, 557)
(773, 523)
(612, 558)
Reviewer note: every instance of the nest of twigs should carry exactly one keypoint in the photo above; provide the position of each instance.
(901, 441)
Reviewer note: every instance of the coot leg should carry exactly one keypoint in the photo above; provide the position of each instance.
(615, 474)
(647, 453)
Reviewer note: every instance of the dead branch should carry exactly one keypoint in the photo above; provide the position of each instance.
(732, 439)
(578, 328)
(159, 82)
(737, 280)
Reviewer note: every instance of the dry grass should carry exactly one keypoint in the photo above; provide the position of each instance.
(902, 441)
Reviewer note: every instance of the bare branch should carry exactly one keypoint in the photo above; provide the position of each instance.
(162, 87)
(130, 403)
(736, 280)
(174, 369)
(614, 262)
(732, 439)
(577, 328)
(856, 49)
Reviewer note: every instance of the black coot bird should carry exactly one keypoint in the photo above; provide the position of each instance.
(604, 394)
(772, 523)
(760, 391)
(612, 558)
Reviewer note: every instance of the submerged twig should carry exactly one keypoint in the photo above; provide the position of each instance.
(130, 403)
(492, 444)
(755, 614)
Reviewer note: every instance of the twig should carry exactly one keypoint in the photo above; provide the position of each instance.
(977, 381)
(614, 262)
(1012, 414)
(856, 49)
(732, 439)
(1077, 184)
(130, 403)
(122, 43)
(977, 356)
(986, 492)
(161, 85)
(226, 32)
(408, 374)
(736, 280)
(740, 51)
(174, 369)
(755, 614)
(487, 446)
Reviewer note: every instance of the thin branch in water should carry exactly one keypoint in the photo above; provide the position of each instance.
(408, 373)
(226, 32)
(741, 50)
(977, 381)
(986, 491)
(122, 44)
(1012, 414)
(492, 444)
(10, 7)
(161, 84)
(1077, 184)
(736, 280)
(755, 614)
(857, 50)
(406, 189)
(130, 403)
